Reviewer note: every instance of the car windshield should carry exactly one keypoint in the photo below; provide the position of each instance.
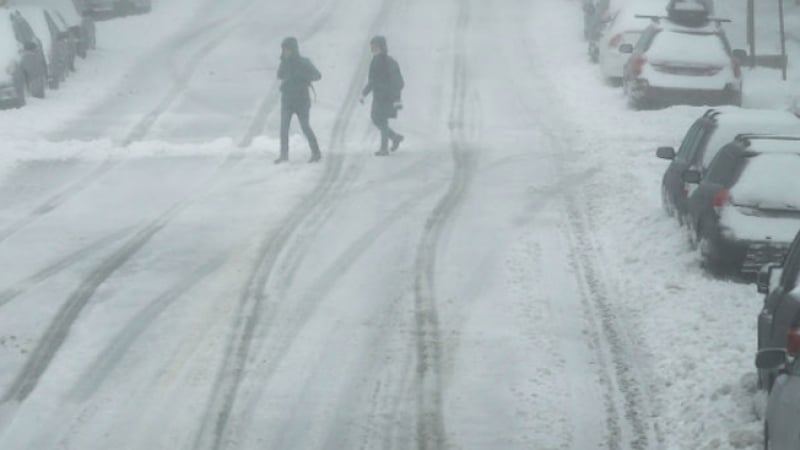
(689, 48)
(770, 181)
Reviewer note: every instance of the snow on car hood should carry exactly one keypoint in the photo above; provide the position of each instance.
(689, 49)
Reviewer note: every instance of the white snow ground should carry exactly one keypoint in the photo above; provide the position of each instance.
(506, 280)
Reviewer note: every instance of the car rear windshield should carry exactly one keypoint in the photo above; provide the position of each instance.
(689, 48)
(769, 181)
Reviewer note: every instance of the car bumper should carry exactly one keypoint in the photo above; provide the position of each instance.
(642, 90)
(747, 257)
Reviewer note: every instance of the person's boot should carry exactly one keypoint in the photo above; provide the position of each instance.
(282, 159)
(315, 157)
(397, 141)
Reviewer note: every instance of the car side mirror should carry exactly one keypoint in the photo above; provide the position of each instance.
(764, 278)
(31, 46)
(771, 358)
(626, 49)
(739, 55)
(666, 153)
(692, 177)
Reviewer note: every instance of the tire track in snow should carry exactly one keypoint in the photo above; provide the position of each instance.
(290, 242)
(58, 199)
(57, 267)
(627, 403)
(56, 333)
(431, 431)
(138, 132)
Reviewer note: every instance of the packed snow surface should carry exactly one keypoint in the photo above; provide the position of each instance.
(506, 280)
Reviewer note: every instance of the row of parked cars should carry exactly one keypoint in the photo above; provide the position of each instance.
(664, 54)
(733, 185)
(41, 39)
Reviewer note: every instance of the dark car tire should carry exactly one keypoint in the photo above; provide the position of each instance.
(39, 88)
(22, 92)
(665, 202)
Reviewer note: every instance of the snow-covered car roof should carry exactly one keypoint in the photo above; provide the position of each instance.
(734, 121)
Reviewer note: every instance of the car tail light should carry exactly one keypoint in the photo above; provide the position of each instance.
(721, 199)
(638, 64)
(615, 41)
(737, 69)
(793, 341)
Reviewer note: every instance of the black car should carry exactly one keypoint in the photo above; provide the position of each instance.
(22, 58)
(709, 133)
(745, 211)
(779, 320)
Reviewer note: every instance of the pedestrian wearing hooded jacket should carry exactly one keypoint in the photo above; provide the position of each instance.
(386, 86)
(296, 74)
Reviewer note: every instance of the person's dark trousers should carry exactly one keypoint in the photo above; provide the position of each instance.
(382, 122)
(303, 114)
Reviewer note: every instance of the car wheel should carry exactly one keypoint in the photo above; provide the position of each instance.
(693, 237)
(38, 89)
(22, 91)
(665, 203)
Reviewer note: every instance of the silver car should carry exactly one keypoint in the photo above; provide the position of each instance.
(782, 420)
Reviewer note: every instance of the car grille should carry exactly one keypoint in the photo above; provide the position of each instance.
(687, 70)
(760, 254)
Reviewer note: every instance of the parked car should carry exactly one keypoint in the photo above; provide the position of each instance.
(54, 39)
(21, 57)
(679, 61)
(624, 28)
(80, 25)
(703, 140)
(779, 319)
(745, 211)
(783, 405)
(110, 8)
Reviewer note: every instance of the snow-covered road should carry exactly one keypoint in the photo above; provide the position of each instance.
(505, 281)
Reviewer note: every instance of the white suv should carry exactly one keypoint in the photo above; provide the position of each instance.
(686, 62)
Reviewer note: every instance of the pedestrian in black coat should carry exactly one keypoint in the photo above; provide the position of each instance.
(386, 85)
(296, 74)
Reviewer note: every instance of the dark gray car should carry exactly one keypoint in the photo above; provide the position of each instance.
(708, 134)
(745, 211)
(782, 419)
(779, 320)
(22, 61)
